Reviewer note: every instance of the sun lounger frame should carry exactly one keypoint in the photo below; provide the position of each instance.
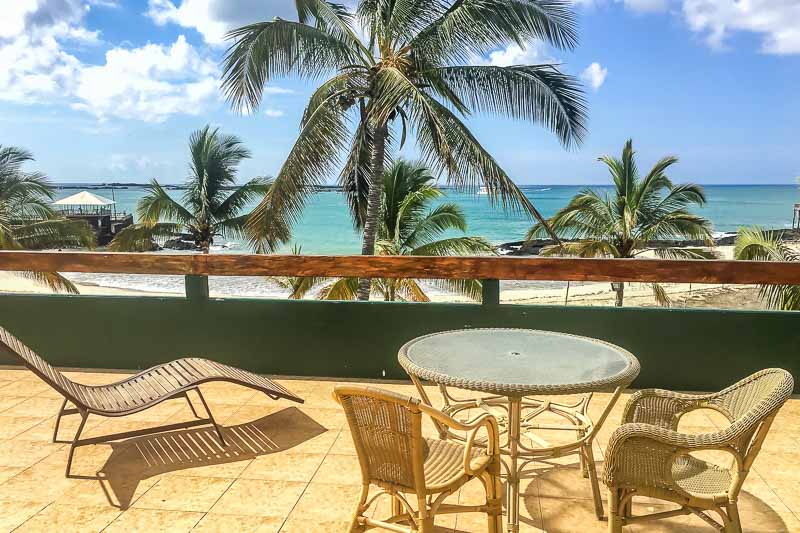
(137, 393)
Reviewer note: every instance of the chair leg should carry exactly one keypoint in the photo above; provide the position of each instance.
(592, 469)
(58, 419)
(84, 418)
(735, 525)
(191, 405)
(614, 520)
(211, 417)
(397, 509)
(355, 526)
(493, 499)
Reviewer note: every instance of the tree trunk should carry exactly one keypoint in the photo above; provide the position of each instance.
(373, 204)
(619, 288)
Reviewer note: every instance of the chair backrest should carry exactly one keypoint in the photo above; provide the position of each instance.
(751, 404)
(39, 366)
(387, 433)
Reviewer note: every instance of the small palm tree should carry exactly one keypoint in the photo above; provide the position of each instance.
(642, 209)
(27, 222)
(753, 244)
(410, 226)
(208, 209)
(406, 74)
(298, 286)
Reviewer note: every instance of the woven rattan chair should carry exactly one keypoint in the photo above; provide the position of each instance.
(401, 463)
(646, 456)
(137, 393)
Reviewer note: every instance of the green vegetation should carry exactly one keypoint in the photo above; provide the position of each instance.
(27, 222)
(622, 225)
(209, 209)
(408, 75)
(408, 225)
(754, 244)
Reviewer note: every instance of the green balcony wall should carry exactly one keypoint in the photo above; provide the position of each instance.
(678, 349)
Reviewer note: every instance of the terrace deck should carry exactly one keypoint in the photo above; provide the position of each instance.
(288, 468)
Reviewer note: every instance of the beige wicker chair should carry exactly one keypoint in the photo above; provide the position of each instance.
(401, 463)
(646, 456)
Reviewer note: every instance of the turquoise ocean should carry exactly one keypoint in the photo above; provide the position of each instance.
(325, 227)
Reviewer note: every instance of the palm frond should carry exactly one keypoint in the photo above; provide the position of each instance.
(471, 288)
(537, 93)
(456, 246)
(157, 205)
(242, 197)
(144, 237)
(312, 159)
(660, 295)
(340, 289)
(53, 280)
(54, 233)
(753, 244)
(266, 50)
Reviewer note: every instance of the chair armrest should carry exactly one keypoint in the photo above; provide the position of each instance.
(661, 408)
(643, 454)
(472, 427)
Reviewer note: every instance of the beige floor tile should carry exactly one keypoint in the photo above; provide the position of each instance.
(180, 493)
(305, 526)
(6, 402)
(16, 511)
(284, 467)
(25, 453)
(70, 517)
(7, 472)
(11, 426)
(117, 492)
(37, 406)
(340, 470)
(254, 497)
(323, 501)
(344, 444)
(26, 387)
(225, 523)
(569, 516)
(153, 521)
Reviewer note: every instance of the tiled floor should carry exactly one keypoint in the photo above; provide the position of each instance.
(288, 468)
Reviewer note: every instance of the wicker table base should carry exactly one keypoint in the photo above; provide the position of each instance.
(517, 417)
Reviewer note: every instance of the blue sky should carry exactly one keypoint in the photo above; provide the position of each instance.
(109, 90)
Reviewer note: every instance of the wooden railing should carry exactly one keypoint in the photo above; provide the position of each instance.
(496, 268)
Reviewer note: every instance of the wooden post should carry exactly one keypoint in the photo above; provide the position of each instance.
(196, 288)
(491, 292)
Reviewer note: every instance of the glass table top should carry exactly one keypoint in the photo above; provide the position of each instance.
(516, 359)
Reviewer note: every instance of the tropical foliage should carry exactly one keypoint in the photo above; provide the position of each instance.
(640, 210)
(27, 222)
(409, 225)
(409, 74)
(209, 208)
(754, 244)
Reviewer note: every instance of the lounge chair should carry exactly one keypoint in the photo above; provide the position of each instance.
(137, 393)
(647, 456)
(396, 458)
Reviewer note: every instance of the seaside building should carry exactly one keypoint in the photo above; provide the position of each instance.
(99, 212)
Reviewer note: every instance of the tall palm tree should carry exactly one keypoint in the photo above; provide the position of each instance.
(409, 225)
(753, 244)
(27, 222)
(208, 209)
(642, 209)
(408, 73)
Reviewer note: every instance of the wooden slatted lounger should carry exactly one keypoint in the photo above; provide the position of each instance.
(137, 393)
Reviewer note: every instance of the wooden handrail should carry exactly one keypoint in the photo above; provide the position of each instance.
(504, 268)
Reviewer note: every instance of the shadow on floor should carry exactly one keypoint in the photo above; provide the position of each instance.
(134, 460)
(563, 503)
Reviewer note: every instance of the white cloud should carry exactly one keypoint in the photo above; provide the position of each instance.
(214, 18)
(595, 75)
(777, 20)
(149, 83)
(271, 112)
(646, 6)
(533, 53)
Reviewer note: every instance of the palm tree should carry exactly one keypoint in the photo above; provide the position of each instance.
(642, 209)
(409, 225)
(208, 209)
(27, 222)
(753, 244)
(407, 74)
(298, 286)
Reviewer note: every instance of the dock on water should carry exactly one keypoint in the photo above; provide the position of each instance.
(99, 212)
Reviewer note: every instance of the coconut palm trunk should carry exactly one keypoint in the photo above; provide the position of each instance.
(373, 204)
(619, 289)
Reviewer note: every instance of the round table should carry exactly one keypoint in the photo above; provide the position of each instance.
(518, 369)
